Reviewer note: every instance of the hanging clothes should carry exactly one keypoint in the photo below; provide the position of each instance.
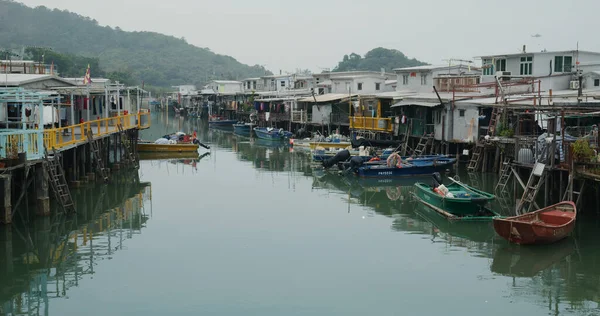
(94, 112)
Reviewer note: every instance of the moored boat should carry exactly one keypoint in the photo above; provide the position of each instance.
(217, 121)
(544, 226)
(404, 168)
(456, 200)
(244, 129)
(175, 148)
(269, 133)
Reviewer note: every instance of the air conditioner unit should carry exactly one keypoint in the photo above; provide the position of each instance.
(501, 74)
(574, 84)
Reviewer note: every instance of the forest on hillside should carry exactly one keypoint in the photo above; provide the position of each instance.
(376, 59)
(154, 58)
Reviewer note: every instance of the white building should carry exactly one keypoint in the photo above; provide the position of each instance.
(421, 79)
(225, 87)
(353, 82)
(555, 70)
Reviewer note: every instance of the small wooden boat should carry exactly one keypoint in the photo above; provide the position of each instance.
(544, 226)
(460, 200)
(175, 148)
(268, 133)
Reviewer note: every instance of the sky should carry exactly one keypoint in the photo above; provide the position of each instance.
(316, 34)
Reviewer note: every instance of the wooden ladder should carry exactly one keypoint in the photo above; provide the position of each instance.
(532, 188)
(129, 155)
(494, 121)
(97, 156)
(571, 185)
(505, 174)
(475, 158)
(422, 146)
(58, 183)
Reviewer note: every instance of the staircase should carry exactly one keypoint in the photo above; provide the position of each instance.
(532, 188)
(129, 158)
(58, 183)
(97, 157)
(424, 141)
(505, 174)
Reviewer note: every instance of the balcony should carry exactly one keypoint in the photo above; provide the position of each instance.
(301, 116)
(33, 141)
(377, 124)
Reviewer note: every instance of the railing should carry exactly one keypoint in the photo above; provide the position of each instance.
(32, 141)
(339, 118)
(300, 116)
(274, 117)
(379, 124)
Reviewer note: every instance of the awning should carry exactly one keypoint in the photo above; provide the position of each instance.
(326, 97)
(418, 103)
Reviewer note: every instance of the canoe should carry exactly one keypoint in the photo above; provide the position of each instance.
(271, 133)
(406, 169)
(467, 201)
(544, 226)
(244, 129)
(176, 148)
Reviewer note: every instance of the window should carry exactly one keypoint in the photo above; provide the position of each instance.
(377, 86)
(461, 113)
(526, 65)
(404, 79)
(423, 79)
(254, 85)
(500, 64)
(563, 63)
(488, 67)
(359, 86)
(596, 82)
(282, 83)
(438, 117)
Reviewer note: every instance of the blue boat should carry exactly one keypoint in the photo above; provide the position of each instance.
(405, 168)
(221, 123)
(244, 129)
(269, 133)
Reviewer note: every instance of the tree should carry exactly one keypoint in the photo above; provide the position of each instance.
(376, 59)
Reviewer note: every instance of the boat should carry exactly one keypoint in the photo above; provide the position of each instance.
(218, 121)
(244, 129)
(544, 226)
(395, 167)
(269, 133)
(143, 146)
(456, 200)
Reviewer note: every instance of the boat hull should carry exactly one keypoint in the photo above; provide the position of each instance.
(273, 135)
(545, 226)
(340, 145)
(175, 148)
(424, 167)
(222, 123)
(243, 129)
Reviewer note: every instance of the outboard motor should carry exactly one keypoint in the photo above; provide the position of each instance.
(342, 155)
(437, 179)
(355, 163)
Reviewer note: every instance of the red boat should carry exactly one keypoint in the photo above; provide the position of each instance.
(544, 226)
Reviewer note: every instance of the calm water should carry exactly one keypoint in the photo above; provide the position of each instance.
(251, 230)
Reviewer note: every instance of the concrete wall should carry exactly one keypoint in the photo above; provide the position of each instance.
(340, 85)
(416, 85)
(226, 87)
(321, 113)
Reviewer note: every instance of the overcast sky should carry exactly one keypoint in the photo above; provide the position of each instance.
(315, 34)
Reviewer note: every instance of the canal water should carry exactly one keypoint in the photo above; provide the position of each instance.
(252, 229)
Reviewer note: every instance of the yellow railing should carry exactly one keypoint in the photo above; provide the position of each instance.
(379, 124)
(76, 134)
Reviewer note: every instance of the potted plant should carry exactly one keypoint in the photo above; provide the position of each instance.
(582, 152)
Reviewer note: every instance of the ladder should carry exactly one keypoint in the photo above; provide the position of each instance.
(406, 137)
(505, 174)
(129, 155)
(571, 186)
(494, 121)
(97, 156)
(531, 189)
(475, 158)
(422, 146)
(58, 183)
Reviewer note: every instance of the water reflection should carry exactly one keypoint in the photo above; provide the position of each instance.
(42, 260)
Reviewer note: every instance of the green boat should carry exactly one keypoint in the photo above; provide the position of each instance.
(464, 202)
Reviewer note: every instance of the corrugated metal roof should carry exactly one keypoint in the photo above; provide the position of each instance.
(21, 79)
(326, 97)
(418, 103)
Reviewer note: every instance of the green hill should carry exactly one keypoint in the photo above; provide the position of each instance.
(155, 58)
(376, 59)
